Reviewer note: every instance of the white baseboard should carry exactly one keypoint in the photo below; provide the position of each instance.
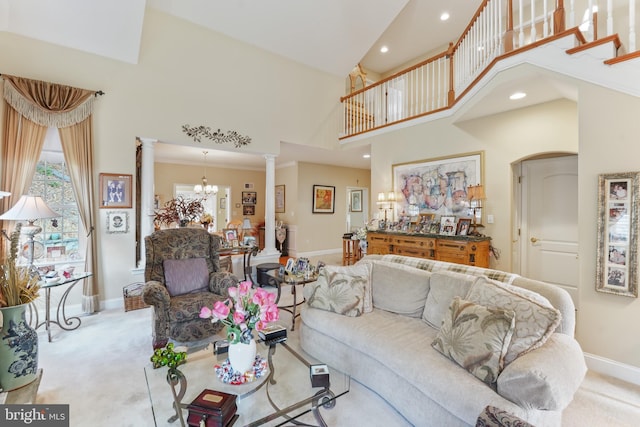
(621, 371)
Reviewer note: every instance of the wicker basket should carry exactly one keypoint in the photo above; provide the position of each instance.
(133, 297)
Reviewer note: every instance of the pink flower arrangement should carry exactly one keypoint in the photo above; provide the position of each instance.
(246, 309)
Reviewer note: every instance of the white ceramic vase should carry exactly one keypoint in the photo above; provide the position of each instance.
(242, 356)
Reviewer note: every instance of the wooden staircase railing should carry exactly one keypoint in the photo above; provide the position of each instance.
(438, 82)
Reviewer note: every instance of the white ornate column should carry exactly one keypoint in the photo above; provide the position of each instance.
(146, 193)
(270, 207)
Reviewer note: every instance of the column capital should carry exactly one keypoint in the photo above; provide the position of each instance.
(147, 141)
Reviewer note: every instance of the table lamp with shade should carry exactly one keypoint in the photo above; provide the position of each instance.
(246, 227)
(475, 195)
(30, 209)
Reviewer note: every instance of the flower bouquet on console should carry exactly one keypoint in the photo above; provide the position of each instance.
(245, 310)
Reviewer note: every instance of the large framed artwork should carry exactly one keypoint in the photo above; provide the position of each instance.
(616, 264)
(115, 190)
(324, 198)
(437, 186)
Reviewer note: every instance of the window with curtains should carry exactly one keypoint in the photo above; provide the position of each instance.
(60, 242)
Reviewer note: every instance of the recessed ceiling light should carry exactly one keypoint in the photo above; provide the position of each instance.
(366, 156)
(517, 95)
(384, 49)
(444, 16)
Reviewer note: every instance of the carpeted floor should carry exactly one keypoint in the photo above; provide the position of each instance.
(98, 370)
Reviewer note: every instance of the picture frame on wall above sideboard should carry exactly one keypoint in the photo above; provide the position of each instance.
(324, 199)
(617, 248)
(437, 185)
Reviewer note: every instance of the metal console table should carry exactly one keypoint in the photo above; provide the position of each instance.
(64, 322)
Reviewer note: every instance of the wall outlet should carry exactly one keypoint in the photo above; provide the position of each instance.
(490, 219)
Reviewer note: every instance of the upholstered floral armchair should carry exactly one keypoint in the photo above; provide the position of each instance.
(183, 274)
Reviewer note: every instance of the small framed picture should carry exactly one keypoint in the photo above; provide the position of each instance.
(117, 222)
(115, 190)
(324, 198)
(291, 263)
(55, 251)
(448, 225)
(248, 210)
(249, 241)
(230, 234)
(280, 198)
(463, 226)
(249, 197)
(356, 200)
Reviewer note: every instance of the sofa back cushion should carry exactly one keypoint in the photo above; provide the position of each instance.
(340, 290)
(445, 286)
(476, 338)
(399, 288)
(184, 276)
(536, 318)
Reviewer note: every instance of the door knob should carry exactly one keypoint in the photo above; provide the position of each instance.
(534, 240)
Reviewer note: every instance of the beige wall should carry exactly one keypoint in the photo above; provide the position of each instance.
(288, 176)
(609, 130)
(318, 232)
(166, 175)
(185, 75)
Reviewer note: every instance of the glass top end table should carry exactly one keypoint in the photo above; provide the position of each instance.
(285, 393)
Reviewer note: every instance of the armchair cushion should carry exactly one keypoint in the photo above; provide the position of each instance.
(185, 276)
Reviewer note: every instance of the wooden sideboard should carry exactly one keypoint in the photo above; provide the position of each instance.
(468, 250)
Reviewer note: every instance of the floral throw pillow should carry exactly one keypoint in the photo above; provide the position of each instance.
(338, 292)
(476, 338)
(536, 318)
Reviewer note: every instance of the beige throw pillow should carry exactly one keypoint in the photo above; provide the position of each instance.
(338, 291)
(399, 288)
(536, 319)
(445, 286)
(476, 338)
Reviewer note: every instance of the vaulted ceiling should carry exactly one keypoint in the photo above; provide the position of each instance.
(329, 35)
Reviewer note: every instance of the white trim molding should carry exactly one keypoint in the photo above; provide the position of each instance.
(621, 371)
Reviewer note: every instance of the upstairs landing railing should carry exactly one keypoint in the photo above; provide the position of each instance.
(497, 28)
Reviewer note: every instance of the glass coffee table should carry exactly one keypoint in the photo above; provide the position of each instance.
(285, 393)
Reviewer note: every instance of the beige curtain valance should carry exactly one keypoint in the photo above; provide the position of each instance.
(65, 105)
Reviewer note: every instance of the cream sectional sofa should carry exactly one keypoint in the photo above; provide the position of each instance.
(380, 329)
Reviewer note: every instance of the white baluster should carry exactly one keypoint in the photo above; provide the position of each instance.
(545, 17)
(533, 23)
(572, 14)
(610, 17)
(499, 29)
(590, 29)
(521, 25)
(632, 25)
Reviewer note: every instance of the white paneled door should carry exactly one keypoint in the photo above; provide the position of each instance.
(549, 226)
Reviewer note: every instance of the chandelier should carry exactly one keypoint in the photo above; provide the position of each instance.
(204, 188)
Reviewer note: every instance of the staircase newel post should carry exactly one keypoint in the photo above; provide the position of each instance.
(508, 34)
(451, 93)
(558, 17)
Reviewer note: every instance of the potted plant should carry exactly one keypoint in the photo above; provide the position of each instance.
(18, 340)
(179, 210)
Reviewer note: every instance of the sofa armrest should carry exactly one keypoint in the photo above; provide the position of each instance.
(220, 281)
(546, 378)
